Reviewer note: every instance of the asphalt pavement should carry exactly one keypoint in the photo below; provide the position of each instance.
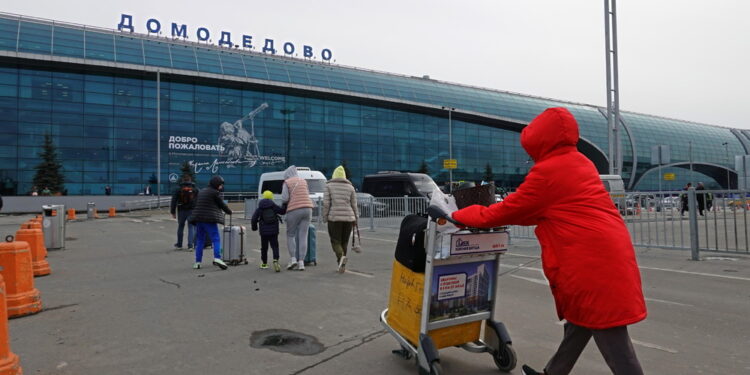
(122, 300)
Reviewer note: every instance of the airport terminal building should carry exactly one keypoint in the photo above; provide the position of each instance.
(118, 103)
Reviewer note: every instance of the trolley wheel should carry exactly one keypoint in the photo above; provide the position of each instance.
(436, 368)
(246, 261)
(505, 358)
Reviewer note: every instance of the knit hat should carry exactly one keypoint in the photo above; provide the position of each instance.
(339, 172)
(267, 194)
(216, 181)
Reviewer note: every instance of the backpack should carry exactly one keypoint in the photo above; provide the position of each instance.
(269, 216)
(187, 195)
(410, 247)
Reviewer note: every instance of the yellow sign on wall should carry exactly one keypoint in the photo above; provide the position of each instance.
(669, 176)
(450, 164)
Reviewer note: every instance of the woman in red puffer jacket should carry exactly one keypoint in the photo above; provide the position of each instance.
(587, 254)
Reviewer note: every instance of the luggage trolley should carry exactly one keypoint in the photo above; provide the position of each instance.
(458, 292)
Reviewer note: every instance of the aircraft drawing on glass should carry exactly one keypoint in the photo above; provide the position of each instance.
(239, 145)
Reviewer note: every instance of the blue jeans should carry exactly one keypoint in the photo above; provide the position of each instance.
(200, 240)
(182, 216)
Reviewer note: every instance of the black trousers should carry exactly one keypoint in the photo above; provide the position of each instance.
(613, 343)
(264, 242)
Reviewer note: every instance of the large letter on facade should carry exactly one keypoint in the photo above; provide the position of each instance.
(226, 39)
(151, 28)
(326, 54)
(247, 41)
(179, 32)
(288, 48)
(307, 51)
(268, 46)
(203, 34)
(126, 23)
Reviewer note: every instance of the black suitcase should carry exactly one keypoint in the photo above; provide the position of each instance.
(410, 247)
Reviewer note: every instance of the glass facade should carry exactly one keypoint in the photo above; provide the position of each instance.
(101, 108)
(104, 127)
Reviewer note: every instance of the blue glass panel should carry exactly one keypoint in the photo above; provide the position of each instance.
(8, 34)
(255, 67)
(208, 60)
(232, 64)
(35, 37)
(157, 53)
(100, 46)
(183, 57)
(277, 72)
(67, 42)
(128, 50)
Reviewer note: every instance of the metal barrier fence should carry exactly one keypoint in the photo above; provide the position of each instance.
(149, 203)
(717, 222)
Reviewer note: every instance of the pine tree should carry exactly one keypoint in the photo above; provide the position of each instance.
(424, 168)
(346, 170)
(488, 176)
(49, 171)
(187, 171)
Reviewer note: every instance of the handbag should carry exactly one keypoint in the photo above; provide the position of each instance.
(356, 239)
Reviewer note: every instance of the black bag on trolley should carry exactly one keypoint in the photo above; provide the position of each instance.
(410, 247)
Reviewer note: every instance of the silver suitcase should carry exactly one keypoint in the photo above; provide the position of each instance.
(233, 245)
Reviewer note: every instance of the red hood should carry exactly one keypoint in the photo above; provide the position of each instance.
(553, 129)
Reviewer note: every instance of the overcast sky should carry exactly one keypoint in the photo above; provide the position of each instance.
(684, 59)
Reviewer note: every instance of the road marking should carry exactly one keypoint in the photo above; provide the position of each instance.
(379, 239)
(360, 274)
(522, 267)
(667, 302)
(653, 346)
(697, 273)
(136, 220)
(522, 255)
(531, 279)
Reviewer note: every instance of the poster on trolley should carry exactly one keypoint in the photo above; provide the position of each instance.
(462, 289)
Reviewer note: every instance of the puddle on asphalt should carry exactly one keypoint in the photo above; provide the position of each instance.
(285, 341)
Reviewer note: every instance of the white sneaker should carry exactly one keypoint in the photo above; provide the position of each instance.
(301, 265)
(292, 264)
(220, 263)
(342, 264)
(196, 266)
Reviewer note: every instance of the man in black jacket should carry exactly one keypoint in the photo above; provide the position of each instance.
(206, 216)
(183, 202)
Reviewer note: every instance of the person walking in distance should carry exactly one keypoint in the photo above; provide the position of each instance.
(700, 197)
(684, 199)
(207, 215)
(587, 254)
(181, 207)
(340, 211)
(295, 195)
(267, 216)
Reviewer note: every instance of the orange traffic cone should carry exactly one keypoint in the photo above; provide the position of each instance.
(32, 233)
(111, 212)
(8, 360)
(21, 296)
(71, 214)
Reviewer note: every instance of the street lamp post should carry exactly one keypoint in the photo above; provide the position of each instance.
(450, 145)
(287, 113)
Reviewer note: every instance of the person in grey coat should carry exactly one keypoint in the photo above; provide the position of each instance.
(207, 215)
(340, 211)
